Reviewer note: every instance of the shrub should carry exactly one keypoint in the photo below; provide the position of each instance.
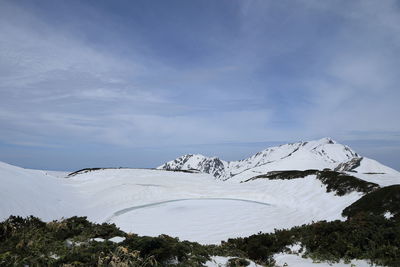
(386, 199)
(238, 262)
(337, 182)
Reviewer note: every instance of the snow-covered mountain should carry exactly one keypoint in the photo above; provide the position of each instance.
(318, 154)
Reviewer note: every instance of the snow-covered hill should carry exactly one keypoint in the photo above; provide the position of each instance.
(318, 154)
(27, 192)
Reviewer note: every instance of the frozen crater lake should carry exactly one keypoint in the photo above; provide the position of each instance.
(205, 220)
(191, 206)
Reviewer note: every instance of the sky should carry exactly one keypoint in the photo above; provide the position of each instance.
(137, 83)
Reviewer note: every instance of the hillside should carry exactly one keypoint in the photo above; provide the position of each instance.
(337, 182)
(27, 192)
(384, 201)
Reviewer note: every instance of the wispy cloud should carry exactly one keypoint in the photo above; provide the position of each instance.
(138, 75)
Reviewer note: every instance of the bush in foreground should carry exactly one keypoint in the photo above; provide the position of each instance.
(29, 241)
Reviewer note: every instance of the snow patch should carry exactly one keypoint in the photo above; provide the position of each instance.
(117, 239)
(388, 215)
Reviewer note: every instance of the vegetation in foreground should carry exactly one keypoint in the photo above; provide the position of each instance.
(367, 234)
(29, 241)
(78, 242)
(382, 201)
(366, 237)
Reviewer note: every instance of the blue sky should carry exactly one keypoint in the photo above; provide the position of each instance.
(137, 83)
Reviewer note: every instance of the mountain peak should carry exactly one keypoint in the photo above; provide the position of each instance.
(327, 140)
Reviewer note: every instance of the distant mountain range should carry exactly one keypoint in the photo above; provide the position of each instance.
(318, 154)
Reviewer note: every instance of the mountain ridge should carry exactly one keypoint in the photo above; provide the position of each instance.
(324, 153)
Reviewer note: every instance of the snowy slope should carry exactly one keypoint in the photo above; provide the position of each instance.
(32, 192)
(370, 166)
(318, 154)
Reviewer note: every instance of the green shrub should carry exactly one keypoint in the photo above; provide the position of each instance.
(238, 262)
(386, 199)
(29, 241)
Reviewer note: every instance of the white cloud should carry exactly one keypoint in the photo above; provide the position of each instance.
(56, 86)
